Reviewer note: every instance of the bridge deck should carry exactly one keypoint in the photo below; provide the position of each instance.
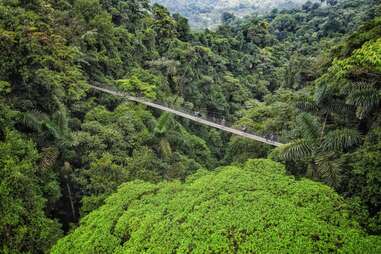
(190, 117)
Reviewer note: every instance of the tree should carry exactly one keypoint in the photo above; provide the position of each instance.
(104, 146)
(285, 22)
(54, 129)
(355, 80)
(142, 83)
(332, 2)
(227, 18)
(319, 147)
(24, 226)
(362, 179)
(307, 6)
(247, 209)
(183, 28)
(164, 25)
(87, 143)
(160, 130)
(55, 138)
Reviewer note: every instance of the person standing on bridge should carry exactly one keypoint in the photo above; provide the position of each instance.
(197, 114)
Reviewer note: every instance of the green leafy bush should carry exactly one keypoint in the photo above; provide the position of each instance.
(255, 208)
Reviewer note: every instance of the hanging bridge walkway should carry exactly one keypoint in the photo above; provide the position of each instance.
(189, 116)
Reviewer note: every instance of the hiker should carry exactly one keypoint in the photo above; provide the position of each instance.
(197, 114)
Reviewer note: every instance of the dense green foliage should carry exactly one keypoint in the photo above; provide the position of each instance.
(208, 13)
(254, 208)
(24, 226)
(310, 77)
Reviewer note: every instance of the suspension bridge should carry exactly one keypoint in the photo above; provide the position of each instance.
(189, 116)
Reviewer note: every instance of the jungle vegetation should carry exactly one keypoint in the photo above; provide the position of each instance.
(86, 172)
(207, 13)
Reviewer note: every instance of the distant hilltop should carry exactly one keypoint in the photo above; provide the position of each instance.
(207, 13)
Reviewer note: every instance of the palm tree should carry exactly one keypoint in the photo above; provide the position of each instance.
(356, 100)
(160, 131)
(325, 105)
(365, 96)
(55, 128)
(319, 148)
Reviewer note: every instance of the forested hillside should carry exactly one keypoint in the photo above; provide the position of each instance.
(310, 77)
(207, 13)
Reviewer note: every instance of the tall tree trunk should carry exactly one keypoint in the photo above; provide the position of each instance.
(315, 170)
(323, 128)
(71, 200)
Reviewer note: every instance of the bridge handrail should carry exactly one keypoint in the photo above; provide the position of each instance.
(191, 115)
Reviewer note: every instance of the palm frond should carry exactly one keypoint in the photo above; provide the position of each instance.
(296, 150)
(321, 93)
(329, 169)
(163, 122)
(61, 119)
(356, 86)
(365, 96)
(32, 120)
(165, 148)
(364, 100)
(340, 139)
(309, 125)
(307, 105)
(52, 129)
(336, 106)
(49, 156)
(66, 141)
